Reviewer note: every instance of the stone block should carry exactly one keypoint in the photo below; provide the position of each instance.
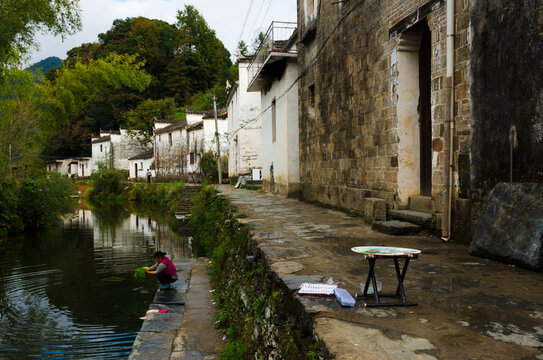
(151, 345)
(511, 226)
(374, 210)
(421, 203)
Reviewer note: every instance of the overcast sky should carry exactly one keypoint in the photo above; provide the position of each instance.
(226, 17)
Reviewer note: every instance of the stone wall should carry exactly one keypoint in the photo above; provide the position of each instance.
(351, 57)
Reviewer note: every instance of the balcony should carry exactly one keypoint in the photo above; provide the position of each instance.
(278, 44)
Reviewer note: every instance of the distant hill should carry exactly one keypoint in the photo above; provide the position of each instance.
(46, 64)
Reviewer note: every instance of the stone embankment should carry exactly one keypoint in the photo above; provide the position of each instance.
(468, 308)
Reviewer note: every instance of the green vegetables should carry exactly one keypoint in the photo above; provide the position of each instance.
(139, 274)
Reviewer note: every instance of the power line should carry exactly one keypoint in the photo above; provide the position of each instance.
(265, 14)
(304, 72)
(257, 16)
(245, 21)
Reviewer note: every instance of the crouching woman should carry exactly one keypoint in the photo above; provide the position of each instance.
(164, 269)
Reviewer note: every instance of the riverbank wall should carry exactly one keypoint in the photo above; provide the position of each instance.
(256, 310)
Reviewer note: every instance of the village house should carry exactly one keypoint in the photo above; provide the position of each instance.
(114, 148)
(170, 148)
(141, 164)
(244, 125)
(411, 104)
(76, 167)
(273, 73)
(201, 136)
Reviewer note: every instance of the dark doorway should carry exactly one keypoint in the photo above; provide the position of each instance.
(136, 170)
(425, 110)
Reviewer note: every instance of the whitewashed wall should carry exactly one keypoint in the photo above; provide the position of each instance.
(284, 152)
(244, 127)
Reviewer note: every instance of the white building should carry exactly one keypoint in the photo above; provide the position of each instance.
(114, 148)
(244, 125)
(201, 136)
(140, 164)
(76, 167)
(170, 147)
(272, 74)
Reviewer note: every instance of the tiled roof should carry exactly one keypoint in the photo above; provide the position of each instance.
(102, 139)
(197, 126)
(144, 155)
(179, 124)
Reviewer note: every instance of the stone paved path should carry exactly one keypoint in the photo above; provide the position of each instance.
(187, 330)
(469, 308)
(197, 338)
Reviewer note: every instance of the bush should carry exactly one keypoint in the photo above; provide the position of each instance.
(107, 183)
(43, 200)
(157, 195)
(9, 220)
(208, 167)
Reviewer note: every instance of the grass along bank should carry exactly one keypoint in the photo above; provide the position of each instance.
(258, 318)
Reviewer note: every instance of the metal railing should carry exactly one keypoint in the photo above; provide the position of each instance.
(274, 41)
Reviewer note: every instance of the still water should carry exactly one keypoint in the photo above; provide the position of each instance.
(70, 293)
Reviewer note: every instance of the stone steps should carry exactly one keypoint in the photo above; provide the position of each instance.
(421, 203)
(395, 227)
(416, 217)
(183, 209)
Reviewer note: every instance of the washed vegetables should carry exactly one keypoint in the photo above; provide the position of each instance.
(139, 274)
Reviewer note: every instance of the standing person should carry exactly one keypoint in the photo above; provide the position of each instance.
(148, 176)
(164, 269)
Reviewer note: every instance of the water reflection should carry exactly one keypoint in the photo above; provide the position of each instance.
(70, 293)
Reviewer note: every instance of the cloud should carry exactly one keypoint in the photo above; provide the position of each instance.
(226, 17)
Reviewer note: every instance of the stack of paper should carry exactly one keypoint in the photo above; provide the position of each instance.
(316, 289)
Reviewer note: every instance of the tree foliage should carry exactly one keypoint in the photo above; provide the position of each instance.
(141, 119)
(90, 96)
(21, 20)
(23, 133)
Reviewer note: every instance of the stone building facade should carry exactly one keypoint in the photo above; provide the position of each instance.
(374, 101)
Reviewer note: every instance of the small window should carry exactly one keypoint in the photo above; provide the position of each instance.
(274, 124)
(192, 158)
(312, 95)
(159, 138)
(170, 138)
(100, 148)
(141, 164)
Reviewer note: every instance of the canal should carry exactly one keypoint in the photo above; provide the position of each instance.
(69, 293)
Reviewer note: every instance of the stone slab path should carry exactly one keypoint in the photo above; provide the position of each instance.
(197, 338)
(468, 307)
(187, 330)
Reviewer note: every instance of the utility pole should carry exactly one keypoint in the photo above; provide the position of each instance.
(218, 143)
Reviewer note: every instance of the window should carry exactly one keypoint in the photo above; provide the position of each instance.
(100, 148)
(192, 158)
(141, 164)
(274, 125)
(312, 95)
(158, 138)
(170, 138)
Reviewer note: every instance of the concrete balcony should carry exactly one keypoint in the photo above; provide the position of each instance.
(279, 43)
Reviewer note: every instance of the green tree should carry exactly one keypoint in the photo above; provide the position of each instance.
(141, 119)
(199, 54)
(21, 20)
(75, 88)
(22, 133)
